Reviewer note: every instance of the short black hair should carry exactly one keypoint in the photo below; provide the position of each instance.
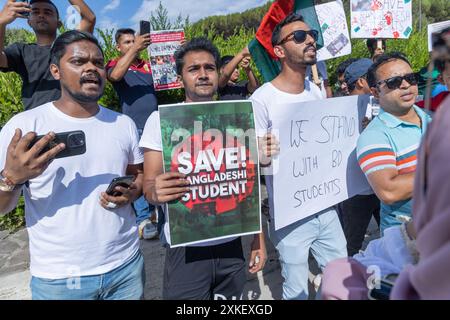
(123, 31)
(372, 44)
(196, 44)
(49, 2)
(344, 65)
(382, 59)
(225, 60)
(351, 86)
(293, 17)
(67, 38)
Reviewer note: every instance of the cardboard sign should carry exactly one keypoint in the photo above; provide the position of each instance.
(317, 165)
(334, 29)
(381, 19)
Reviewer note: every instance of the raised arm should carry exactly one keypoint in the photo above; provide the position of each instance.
(253, 83)
(120, 69)
(228, 70)
(10, 12)
(88, 17)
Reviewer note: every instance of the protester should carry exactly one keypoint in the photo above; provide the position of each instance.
(357, 211)
(343, 89)
(355, 76)
(32, 61)
(425, 236)
(295, 46)
(443, 67)
(132, 79)
(428, 279)
(211, 269)
(229, 88)
(375, 49)
(387, 148)
(83, 242)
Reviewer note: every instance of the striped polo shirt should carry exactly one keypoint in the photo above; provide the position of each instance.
(389, 142)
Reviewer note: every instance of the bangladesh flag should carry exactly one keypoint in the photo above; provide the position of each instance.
(261, 47)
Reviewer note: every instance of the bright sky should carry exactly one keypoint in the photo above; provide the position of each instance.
(127, 13)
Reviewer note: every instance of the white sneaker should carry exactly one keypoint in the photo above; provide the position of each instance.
(317, 281)
(147, 230)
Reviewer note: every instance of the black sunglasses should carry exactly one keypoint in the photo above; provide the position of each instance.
(300, 36)
(395, 82)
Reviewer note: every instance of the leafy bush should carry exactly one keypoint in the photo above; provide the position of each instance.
(230, 37)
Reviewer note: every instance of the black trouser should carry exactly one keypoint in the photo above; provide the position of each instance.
(356, 213)
(205, 273)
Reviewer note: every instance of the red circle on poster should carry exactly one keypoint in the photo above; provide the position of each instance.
(213, 153)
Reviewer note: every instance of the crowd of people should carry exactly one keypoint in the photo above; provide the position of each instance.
(77, 230)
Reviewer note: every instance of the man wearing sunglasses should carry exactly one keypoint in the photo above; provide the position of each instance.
(295, 45)
(387, 148)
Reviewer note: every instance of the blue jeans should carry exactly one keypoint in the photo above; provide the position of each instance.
(123, 283)
(322, 233)
(143, 209)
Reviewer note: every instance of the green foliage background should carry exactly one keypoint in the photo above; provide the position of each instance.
(230, 33)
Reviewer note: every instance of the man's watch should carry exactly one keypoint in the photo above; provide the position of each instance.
(7, 185)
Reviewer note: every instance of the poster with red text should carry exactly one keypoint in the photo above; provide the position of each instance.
(214, 144)
(381, 19)
(161, 52)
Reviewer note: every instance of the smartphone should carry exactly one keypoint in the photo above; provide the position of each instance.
(144, 27)
(125, 182)
(75, 142)
(26, 14)
(383, 292)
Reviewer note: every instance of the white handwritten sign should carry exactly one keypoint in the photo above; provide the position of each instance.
(381, 19)
(334, 29)
(434, 29)
(317, 166)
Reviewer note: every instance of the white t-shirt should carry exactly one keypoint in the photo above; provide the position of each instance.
(151, 139)
(70, 233)
(266, 100)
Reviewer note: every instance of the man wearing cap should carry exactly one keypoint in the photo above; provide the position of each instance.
(229, 88)
(358, 210)
(343, 89)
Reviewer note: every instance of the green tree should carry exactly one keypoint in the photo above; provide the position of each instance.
(160, 19)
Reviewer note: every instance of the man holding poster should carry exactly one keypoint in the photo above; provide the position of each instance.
(295, 45)
(206, 270)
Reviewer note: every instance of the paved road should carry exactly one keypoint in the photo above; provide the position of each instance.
(266, 285)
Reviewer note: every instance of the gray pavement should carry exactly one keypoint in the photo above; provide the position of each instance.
(266, 285)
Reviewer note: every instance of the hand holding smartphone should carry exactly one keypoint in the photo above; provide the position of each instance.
(75, 142)
(124, 182)
(24, 13)
(144, 27)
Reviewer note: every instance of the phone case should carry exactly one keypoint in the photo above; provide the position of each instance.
(144, 27)
(120, 181)
(75, 142)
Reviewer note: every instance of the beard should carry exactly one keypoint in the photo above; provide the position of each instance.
(309, 61)
(296, 59)
(83, 97)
